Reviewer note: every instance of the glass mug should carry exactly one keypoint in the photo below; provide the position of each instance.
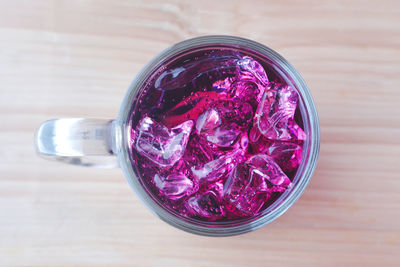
(104, 143)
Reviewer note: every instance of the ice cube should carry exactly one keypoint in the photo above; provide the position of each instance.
(207, 121)
(286, 155)
(248, 204)
(251, 184)
(223, 122)
(223, 136)
(250, 68)
(242, 179)
(250, 81)
(265, 167)
(206, 205)
(218, 168)
(274, 116)
(173, 186)
(248, 91)
(245, 191)
(161, 145)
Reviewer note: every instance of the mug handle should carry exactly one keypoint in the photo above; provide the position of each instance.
(86, 142)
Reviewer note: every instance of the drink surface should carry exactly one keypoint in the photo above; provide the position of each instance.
(216, 135)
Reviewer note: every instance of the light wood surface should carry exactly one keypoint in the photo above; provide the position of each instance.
(77, 58)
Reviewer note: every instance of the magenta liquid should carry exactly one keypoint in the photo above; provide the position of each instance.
(216, 135)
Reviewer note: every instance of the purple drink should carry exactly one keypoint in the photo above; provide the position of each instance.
(216, 135)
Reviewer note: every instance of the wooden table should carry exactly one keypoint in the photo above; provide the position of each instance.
(77, 58)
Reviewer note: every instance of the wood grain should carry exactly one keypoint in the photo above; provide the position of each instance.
(76, 59)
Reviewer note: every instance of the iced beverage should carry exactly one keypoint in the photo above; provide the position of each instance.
(216, 135)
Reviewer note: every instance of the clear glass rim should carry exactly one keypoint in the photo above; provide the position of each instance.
(312, 143)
